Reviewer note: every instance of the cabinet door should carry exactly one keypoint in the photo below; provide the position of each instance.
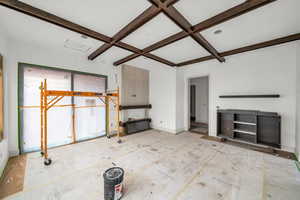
(225, 124)
(269, 130)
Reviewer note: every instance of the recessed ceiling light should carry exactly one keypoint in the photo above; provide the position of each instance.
(84, 36)
(219, 31)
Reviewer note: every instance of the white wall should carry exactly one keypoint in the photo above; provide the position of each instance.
(298, 102)
(4, 142)
(179, 101)
(162, 82)
(162, 94)
(266, 71)
(201, 84)
(270, 70)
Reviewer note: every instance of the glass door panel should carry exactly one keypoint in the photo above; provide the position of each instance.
(59, 118)
(89, 111)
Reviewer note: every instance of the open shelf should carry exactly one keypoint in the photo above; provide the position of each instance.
(134, 126)
(148, 106)
(123, 124)
(245, 123)
(246, 132)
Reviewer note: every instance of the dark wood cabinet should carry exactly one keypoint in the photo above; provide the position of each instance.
(225, 124)
(250, 126)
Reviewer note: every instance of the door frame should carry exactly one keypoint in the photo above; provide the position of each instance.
(192, 87)
(187, 101)
(21, 67)
(2, 98)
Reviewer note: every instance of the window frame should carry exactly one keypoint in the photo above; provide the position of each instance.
(21, 67)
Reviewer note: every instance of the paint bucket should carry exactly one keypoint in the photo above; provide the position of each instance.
(113, 183)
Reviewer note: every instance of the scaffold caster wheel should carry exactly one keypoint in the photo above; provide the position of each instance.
(119, 141)
(47, 161)
(42, 153)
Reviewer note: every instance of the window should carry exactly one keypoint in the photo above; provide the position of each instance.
(89, 111)
(88, 120)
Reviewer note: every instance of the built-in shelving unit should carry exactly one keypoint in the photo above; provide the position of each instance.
(246, 123)
(250, 126)
(131, 107)
(134, 95)
(242, 131)
(137, 125)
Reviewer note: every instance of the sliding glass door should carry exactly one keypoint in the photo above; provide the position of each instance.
(88, 121)
(89, 111)
(59, 118)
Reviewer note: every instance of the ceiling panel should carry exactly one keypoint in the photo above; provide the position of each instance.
(197, 11)
(272, 21)
(112, 55)
(25, 28)
(181, 50)
(104, 16)
(277, 19)
(155, 30)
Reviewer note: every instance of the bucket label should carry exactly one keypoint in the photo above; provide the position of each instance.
(118, 191)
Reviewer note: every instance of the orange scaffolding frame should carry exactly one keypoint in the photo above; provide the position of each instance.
(106, 98)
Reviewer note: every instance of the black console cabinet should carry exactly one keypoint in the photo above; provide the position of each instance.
(250, 126)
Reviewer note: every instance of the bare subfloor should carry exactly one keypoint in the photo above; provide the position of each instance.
(161, 166)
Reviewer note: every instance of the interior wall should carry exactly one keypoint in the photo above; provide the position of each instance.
(135, 86)
(4, 142)
(179, 101)
(265, 71)
(201, 109)
(162, 82)
(298, 101)
(162, 94)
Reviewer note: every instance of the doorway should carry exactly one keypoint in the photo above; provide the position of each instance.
(199, 104)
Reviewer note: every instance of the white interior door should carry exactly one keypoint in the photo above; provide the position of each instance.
(59, 118)
(90, 111)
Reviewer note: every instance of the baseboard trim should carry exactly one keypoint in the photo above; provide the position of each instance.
(13, 153)
(180, 130)
(297, 165)
(267, 150)
(287, 148)
(177, 131)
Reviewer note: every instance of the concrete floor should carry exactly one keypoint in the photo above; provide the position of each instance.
(161, 166)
